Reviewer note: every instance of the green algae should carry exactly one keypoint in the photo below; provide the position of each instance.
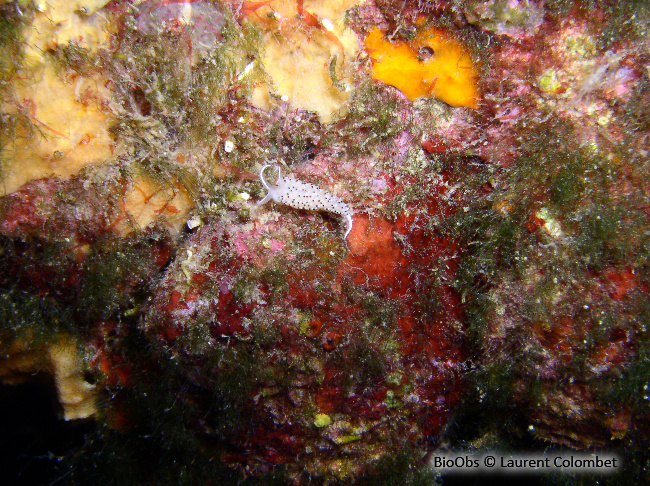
(39, 319)
(539, 253)
(160, 442)
(372, 118)
(117, 274)
(11, 39)
(13, 122)
(403, 466)
(74, 57)
(168, 103)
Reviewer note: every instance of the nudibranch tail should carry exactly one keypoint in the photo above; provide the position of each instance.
(348, 218)
(303, 195)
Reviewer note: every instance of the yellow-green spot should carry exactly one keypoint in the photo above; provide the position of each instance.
(269, 392)
(131, 312)
(346, 439)
(342, 432)
(549, 82)
(322, 420)
(394, 379)
(581, 46)
(391, 401)
(303, 322)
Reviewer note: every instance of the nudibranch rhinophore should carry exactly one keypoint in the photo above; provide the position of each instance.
(303, 195)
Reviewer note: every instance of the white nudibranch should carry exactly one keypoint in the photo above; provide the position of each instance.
(303, 195)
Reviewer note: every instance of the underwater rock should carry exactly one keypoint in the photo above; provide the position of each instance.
(495, 272)
(292, 327)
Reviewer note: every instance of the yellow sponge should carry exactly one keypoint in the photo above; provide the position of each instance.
(432, 64)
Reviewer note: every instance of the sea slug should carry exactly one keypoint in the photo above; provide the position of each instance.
(303, 195)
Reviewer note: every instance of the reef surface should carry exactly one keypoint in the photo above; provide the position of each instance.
(492, 294)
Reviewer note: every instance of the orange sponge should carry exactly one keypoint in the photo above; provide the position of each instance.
(432, 64)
